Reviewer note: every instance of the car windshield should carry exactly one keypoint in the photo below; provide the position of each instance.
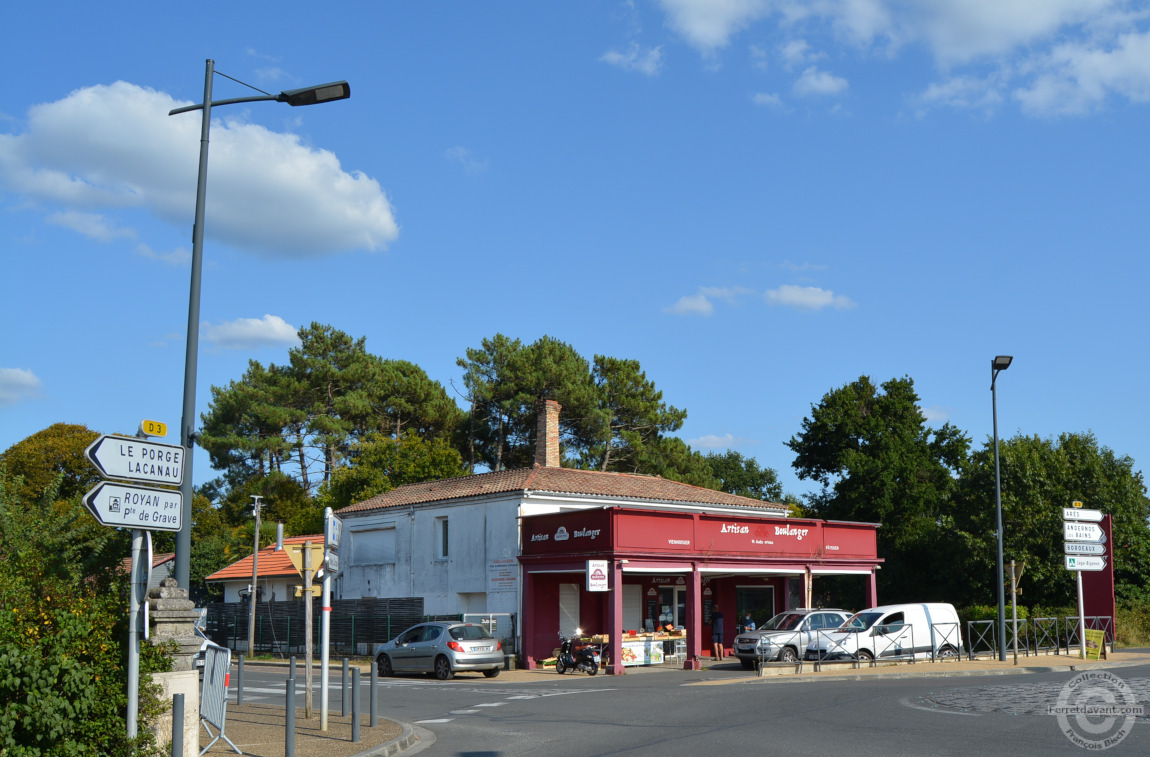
(784, 621)
(470, 633)
(861, 621)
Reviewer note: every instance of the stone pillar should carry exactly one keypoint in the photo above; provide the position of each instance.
(172, 617)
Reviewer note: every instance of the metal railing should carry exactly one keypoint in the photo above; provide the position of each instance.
(945, 635)
(1093, 623)
(1046, 636)
(981, 637)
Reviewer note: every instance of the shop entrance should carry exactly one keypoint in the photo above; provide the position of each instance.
(759, 601)
(673, 605)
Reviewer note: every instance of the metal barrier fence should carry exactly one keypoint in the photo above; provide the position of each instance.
(1022, 635)
(1093, 623)
(944, 635)
(981, 636)
(356, 625)
(1046, 636)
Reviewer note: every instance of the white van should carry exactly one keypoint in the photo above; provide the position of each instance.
(919, 631)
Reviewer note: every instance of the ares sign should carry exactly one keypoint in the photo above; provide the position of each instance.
(135, 506)
(137, 460)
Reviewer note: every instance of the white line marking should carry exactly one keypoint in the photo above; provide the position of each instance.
(464, 712)
(434, 720)
(491, 704)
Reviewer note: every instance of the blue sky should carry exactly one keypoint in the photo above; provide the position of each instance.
(760, 201)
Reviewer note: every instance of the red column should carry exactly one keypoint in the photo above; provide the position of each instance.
(527, 618)
(694, 620)
(872, 590)
(615, 618)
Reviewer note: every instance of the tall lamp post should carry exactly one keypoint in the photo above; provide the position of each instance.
(997, 365)
(340, 90)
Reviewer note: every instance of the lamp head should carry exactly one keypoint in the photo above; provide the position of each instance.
(1001, 362)
(337, 90)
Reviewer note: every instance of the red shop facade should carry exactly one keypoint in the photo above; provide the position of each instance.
(675, 568)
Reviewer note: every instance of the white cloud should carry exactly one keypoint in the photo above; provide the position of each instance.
(18, 385)
(114, 146)
(465, 158)
(692, 304)
(251, 333)
(966, 92)
(935, 414)
(815, 82)
(649, 61)
(726, 441)
(92, 225)
(700, 304)
(807, 298)
(708, 24)
(1076, 79)
(796, 52)
(178, 257)
(768, 99)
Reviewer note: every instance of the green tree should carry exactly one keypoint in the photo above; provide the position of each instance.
(63, 680)
(743, 476)
(878, 462)
(1039, 478)
(380, 463)
(53, 455)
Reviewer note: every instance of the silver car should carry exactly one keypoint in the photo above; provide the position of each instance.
(785, 637)
(441, 648)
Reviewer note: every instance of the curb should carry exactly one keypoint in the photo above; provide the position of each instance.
(951, 673)
(411, 737)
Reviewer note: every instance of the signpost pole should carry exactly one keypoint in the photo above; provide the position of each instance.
(325, 621)
(255, 580)
(134, 632)
(1081, 617)
(308, 570)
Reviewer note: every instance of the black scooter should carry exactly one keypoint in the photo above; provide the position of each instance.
(585, 658)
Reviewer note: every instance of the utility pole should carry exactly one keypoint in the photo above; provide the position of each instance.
(255, 579)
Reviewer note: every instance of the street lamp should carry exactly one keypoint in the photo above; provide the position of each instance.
(340, 90)
(998, 364)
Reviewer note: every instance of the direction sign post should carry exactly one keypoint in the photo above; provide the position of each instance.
(1083, 532)
(1080, 514)
(126, 457)
(1085, 562)
(1085, 549)
(135, 507)
(1082, 548)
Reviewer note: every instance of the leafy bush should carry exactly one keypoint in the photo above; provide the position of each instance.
(63, 633)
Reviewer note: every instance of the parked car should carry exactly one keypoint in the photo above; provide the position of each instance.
(892, 631)
(205, 642)
(785, 637)
(441, 648)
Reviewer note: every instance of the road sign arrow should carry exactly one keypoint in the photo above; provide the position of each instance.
(137, 460)
(135, 506)
(1077, 513)
(1079, 562)
(1083, 548)
(1088, 532)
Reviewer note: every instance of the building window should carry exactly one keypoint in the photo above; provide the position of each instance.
(442, 542)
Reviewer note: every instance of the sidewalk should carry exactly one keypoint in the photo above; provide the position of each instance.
(259, 729)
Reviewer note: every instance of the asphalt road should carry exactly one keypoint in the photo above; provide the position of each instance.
(667, 712)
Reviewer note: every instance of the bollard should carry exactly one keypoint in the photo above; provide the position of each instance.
(343, 691)
(291, 667)
(240, 682)
(177, 725)
(373, 711)
(289, 719)
(355, 705)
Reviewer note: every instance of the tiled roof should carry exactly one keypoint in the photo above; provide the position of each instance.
(273, 563)
(158, 559)
(541, 479)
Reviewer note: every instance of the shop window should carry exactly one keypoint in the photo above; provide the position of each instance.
(568, 609)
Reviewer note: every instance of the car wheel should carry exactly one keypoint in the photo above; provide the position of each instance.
(383, 666)
(443, 668)
(747, 664)
(491, 673)
(788, 655)
(560, 668)
(865, 656)
(948, 653)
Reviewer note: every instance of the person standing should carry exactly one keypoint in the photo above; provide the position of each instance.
(717, 650)
(748, 624)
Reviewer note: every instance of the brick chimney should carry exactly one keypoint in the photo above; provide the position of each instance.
(547, 434)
